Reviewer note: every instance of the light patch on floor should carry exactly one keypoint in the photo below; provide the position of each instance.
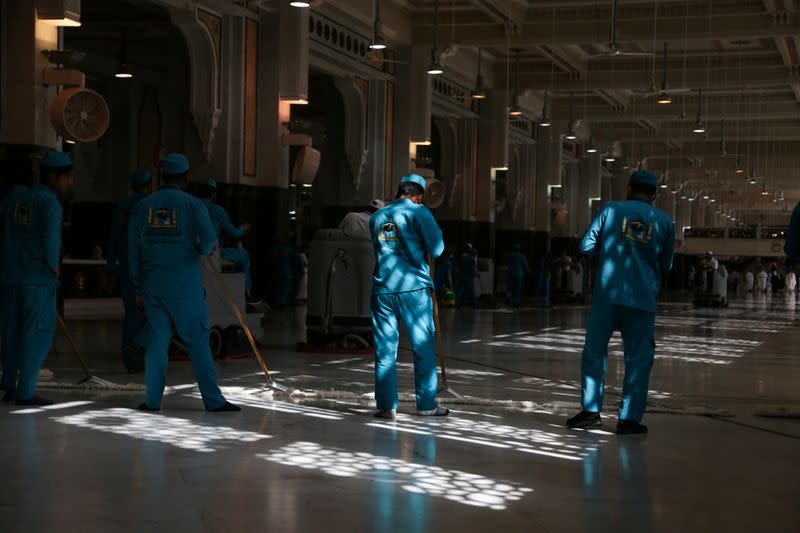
(454, 485)
(177, 432)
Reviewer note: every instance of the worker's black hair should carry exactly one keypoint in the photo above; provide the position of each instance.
(141, 187)
(205, 192)
(46, 171)
(409, 188)
(641, 188)
(175, 178)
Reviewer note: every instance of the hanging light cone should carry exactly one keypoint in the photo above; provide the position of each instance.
(545, 121)
(435, 67)
(515, 110)
(664, 99)
(479, 93)
(591, 148)
(699, 127)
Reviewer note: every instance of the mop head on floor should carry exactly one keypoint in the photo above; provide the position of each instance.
(93, 383)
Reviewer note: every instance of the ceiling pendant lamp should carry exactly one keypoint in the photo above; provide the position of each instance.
(699, 127)
(545, 122)
(300, 4)
(515, 110)
(378, 41)
(123, 70)
(663, 97)
(570, 136)
(435, 67)
(479, 93)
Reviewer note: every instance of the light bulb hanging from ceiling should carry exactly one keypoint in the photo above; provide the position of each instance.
(123, 71)
(570, 136)
(479, 93)
(545, 121)
(515, 110)
(699, 127)
(378, 41)
(435, 67)
(664, 98)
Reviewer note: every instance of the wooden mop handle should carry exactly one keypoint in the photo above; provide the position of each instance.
(72, 344)
(437, 323)
(239, 317)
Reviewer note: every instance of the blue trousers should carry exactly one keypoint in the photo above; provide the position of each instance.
(514, 292)
(638, 337)
(466, 288)
(241, 260)
(29, 323)
(415, 310)
(188, 317)
(133, 325)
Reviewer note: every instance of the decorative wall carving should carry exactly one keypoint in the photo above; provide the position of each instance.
(204, 71)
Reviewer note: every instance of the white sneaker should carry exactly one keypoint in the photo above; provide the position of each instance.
(45, 373)
(439, 411)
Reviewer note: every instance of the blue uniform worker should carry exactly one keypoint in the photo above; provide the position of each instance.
(404, 237)
(792, 244)
(226, 230)
(517, 270)
(634, 243)
(30, 247)
(169, 232)
(467, 272)
(133, 338)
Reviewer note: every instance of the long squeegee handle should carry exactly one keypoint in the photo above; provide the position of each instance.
(437, 324)
(239, 317)
(73, 345)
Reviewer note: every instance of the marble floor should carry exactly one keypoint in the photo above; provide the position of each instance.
(722, 453)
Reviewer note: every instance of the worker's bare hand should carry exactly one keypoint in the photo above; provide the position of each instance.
(246, 226)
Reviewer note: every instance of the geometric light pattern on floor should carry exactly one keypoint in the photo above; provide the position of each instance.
(454, 485)
(547, 443)
(690, 349)
(153, 427)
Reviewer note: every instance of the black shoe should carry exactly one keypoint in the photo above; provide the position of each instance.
(629, 427)
(252, 300)
(10, 395)
(36, 400)
(585, 419)
(386, 414)
(144, 407)
(226, 407)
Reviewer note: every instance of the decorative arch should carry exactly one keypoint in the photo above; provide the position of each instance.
(355, 127)
(448, 158)
(204, 71)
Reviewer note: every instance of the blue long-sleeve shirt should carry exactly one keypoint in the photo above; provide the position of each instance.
(30, 236)
(117, 254)
(222, 223)
(792, 244)
(518, 265)
(404, 236)
(635, 243)
(168, 233)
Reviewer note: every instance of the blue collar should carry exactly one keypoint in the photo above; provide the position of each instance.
(403, 201)
(170, 186)
(46, 188)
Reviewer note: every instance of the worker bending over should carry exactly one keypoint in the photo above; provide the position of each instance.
(404, 236)
(133, 342)
(227, 231)
(30, 247)
(170, 232)
(634, 243)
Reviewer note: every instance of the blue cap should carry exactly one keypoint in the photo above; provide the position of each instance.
(174, 164)
(415, 178)
(139, 177)
(211, 184)
(53, 159)
(640, 177)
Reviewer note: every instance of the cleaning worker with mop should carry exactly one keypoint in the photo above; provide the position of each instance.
(169, 232)
(133, 343)
(30, 248)
(404, 234)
